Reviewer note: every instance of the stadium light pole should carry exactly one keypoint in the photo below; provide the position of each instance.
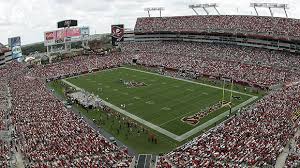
(270, 6)
(271, 12)
(215, 7)
(204, 7)
(285, 12)
(255, 10)
(194, 10)
(154, 9)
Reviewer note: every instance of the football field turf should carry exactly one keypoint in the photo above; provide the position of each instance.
(159, 100)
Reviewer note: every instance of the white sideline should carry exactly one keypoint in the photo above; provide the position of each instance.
(166, 132)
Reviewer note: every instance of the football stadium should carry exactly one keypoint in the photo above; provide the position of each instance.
(194, 91)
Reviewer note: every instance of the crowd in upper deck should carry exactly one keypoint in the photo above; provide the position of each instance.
(274, 27)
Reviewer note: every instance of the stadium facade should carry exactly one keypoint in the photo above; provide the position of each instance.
(253, 31)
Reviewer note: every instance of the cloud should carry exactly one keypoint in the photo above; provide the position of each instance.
(30, 18)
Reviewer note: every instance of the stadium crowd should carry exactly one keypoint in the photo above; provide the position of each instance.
(254, 138)
(3, 104)
(50, 135)
(293, 159)
(246, 25)
(4, 154)
(221, 52)
(77, 65)
(242, 64)
(4, 143)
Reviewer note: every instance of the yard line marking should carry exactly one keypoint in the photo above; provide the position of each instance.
(166, 108)
(189, 81)
(150, 102)
(174, 119)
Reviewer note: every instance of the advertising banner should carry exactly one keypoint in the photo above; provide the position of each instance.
(59, 36)
(73, 32)
(49, 37)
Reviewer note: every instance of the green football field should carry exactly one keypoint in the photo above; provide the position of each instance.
(161, 101)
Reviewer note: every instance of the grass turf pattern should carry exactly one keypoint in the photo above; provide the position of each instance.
(163, 101)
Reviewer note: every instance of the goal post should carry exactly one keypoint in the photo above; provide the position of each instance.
(224, 102)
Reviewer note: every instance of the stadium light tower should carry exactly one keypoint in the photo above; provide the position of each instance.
(154, 9)
(270, 6)
(204, 7)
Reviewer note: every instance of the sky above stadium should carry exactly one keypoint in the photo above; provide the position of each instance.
(31, 18)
